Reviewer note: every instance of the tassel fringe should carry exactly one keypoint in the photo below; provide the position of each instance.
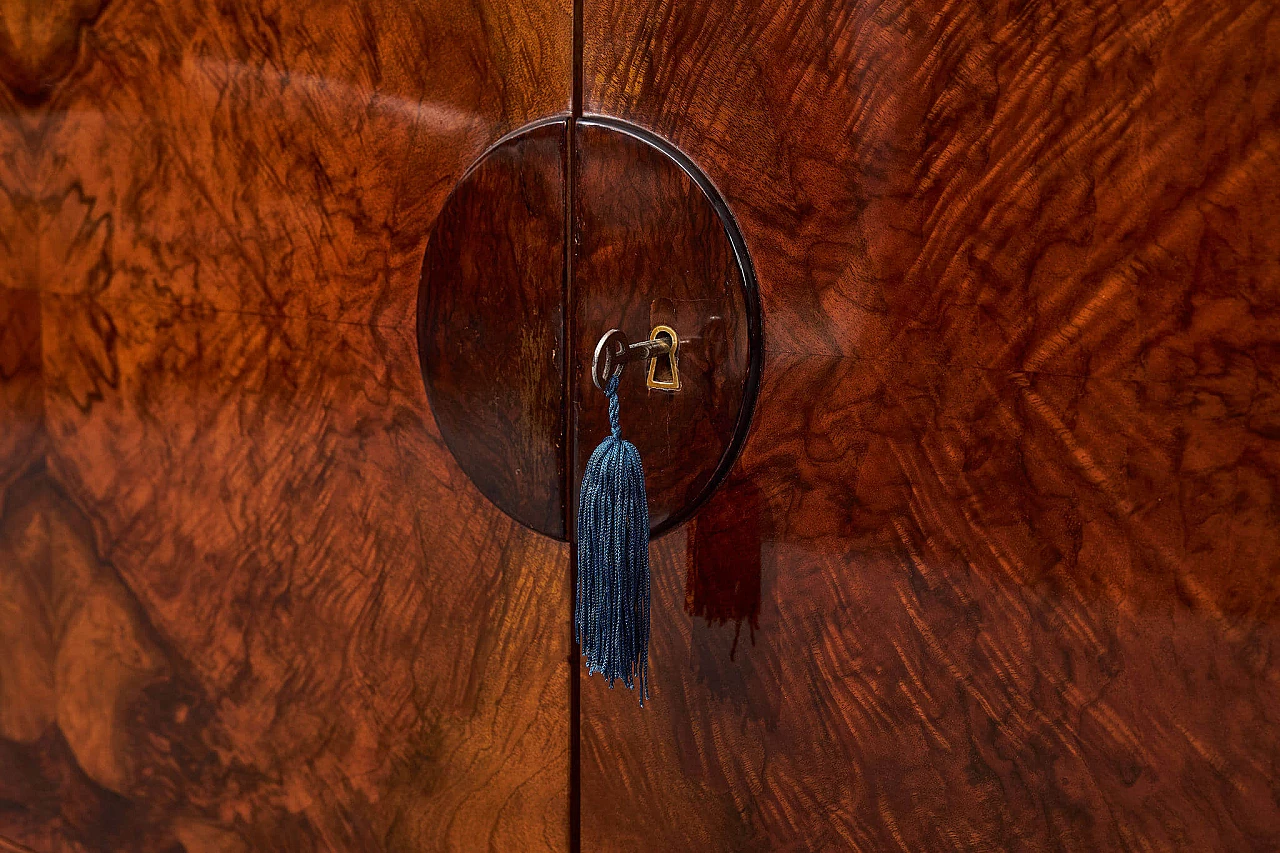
(611, 609)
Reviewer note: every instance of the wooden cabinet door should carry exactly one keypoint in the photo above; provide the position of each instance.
(997, 569)
(247, 599)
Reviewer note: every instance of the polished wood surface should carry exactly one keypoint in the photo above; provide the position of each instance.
(40, 44)
(491, 334)
(21, 391)
(651, 248)
(996, 568)
(281, 159)
(248, 600)
(1014, 465)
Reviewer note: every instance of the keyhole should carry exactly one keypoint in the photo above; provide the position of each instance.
(664, 372)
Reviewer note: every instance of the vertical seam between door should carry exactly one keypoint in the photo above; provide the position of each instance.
(570, 433)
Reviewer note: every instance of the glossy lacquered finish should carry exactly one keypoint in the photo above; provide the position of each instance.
(248, 601)
(491, 325)
(1009, 497)
(649, 245)
(652, 247)
(996, 568)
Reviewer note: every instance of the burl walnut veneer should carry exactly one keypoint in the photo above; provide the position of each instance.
(1015, 466)
(247, 600)
(996, 567)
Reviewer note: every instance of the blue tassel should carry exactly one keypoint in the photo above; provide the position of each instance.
(611, 611)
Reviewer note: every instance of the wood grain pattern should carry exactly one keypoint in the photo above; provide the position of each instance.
(275, 159)
(39, 43)
(1013, 478)
(249, 601)
(1014, 613)
(491, 325)
(21, 387)
(1048, 189)
(650, 248)
(316, 672)
(1014, 457)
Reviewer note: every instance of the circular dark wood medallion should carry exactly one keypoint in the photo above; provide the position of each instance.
(526, 269)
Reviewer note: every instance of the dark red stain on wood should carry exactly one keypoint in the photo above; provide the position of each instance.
(722, 581)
